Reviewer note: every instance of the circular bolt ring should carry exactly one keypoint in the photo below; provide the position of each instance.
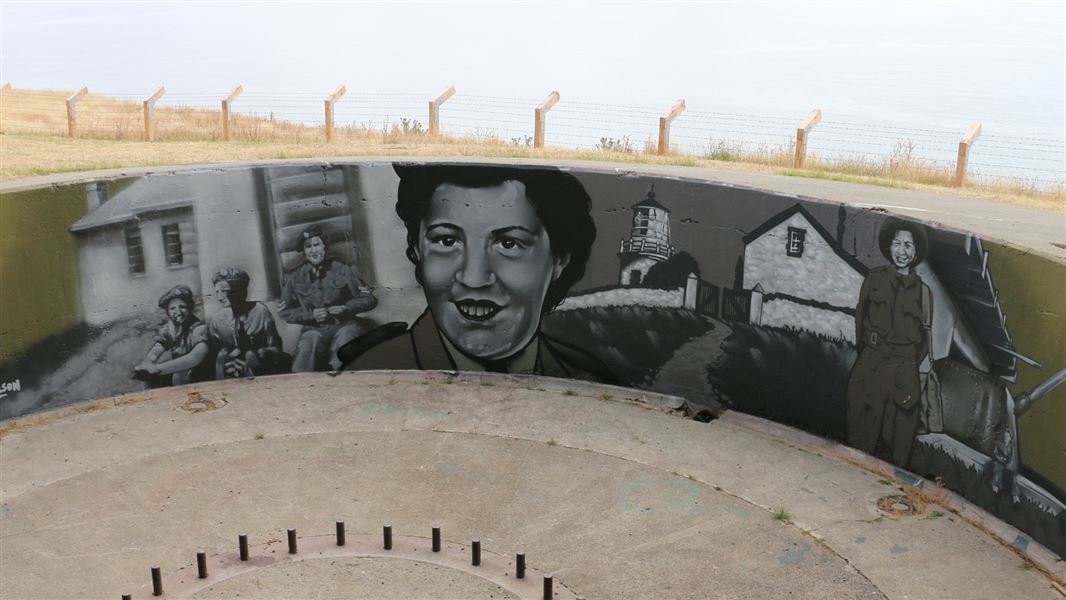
(410, 548)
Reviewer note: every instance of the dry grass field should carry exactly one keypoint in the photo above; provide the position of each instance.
(33, 141)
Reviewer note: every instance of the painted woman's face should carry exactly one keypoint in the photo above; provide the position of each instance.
(178, 310)
(486, 264)
(902, 249)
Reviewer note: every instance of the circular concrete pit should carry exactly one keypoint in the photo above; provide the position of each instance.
(616, 498)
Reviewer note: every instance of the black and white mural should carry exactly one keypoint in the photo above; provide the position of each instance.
(886, 334)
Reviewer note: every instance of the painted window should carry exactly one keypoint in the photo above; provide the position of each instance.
(134, 249)
(796, 239)
(172, 245)
(634, 277)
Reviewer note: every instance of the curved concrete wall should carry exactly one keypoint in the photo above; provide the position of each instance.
(887, 334)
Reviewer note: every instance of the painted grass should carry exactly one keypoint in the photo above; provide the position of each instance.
(33, 141)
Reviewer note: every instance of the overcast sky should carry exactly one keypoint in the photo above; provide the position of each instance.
(940, 63)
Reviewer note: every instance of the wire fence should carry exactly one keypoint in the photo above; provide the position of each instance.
(839, 142)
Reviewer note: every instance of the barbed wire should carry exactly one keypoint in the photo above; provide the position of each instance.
(574, 123)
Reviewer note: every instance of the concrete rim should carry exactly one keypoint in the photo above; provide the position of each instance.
(680, 173)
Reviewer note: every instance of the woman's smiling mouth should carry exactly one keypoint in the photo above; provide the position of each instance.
(477, 310)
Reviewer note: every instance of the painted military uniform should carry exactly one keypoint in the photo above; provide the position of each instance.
(249, 332)
(423, 347)
(180, 340)
(332, 283)
(884, 389)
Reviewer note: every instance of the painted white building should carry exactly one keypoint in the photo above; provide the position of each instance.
(800, 277)
(134, 247)
(162, 230)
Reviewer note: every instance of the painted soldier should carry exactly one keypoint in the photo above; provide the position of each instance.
(325, 296)
(495, 249)
(892, 325)
(243, 331)
(184, 337)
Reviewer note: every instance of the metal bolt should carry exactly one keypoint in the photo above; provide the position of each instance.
(201, 564)
(242, 542)
(387, 535)
(436, 538)
(520, 566)
(292, 541)
(548, 587)
(340, 533)
(475, 553)
(157, 581)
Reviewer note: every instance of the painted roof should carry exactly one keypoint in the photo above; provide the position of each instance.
(785, 215)
(650, 202)
(127, 205)
(963, 267)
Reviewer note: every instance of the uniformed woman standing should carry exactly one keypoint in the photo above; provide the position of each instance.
(892, 322)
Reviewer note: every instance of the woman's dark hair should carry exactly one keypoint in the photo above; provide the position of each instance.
(888, 232)
(558, 198)
(178, 292)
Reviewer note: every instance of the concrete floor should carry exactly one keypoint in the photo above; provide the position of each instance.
(617, 499)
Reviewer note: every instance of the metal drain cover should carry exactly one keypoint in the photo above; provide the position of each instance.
(898, 505)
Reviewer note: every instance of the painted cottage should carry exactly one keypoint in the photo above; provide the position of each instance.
(800, 277)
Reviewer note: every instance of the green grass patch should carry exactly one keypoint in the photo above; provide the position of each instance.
(828, 176)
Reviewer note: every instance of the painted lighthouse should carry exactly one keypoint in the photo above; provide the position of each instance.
(648, 243)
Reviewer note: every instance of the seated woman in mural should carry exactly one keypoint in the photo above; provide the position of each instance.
(892, 331)
(494, 249)
(184, 337)
(243, 331)
(325, 296)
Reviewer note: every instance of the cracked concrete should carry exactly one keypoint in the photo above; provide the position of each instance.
(620, 500)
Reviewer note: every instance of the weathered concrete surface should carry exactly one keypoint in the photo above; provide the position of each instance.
(618, 500)
(1033, 229)
(357, 578)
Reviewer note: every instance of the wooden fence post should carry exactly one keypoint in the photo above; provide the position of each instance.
(801, 136)
(149, 105)
(964, 152)
(539, 118)
(329, 102)
(434, 111)
(72, 111)
(225, 110)
(664, 125)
